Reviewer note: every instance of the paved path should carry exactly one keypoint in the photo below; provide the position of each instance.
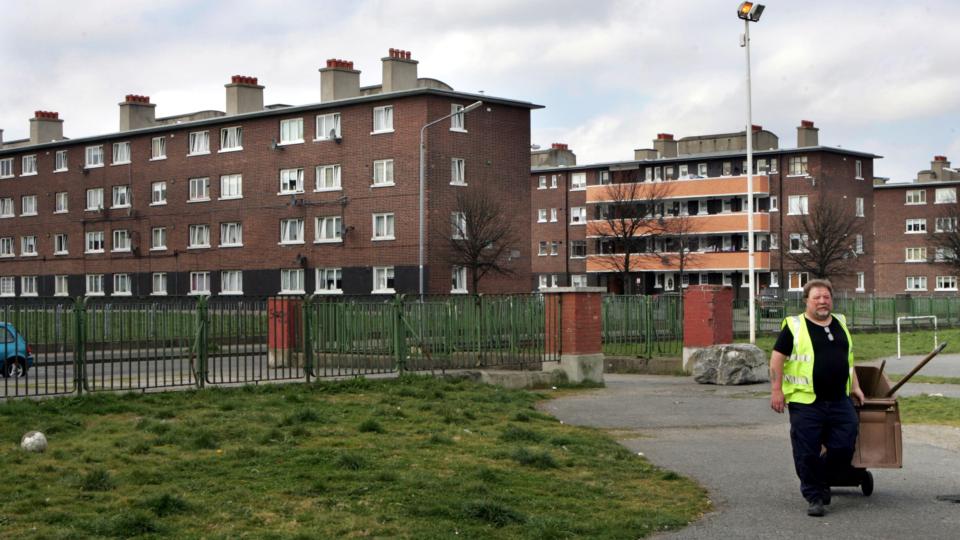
(729, 440)
(942, 365)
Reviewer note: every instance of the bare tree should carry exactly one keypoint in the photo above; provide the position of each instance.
(828, 240)
(945, 239)
(482, 235)
(679, 232)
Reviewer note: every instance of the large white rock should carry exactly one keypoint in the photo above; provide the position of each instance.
(730, 365)
(33, 441)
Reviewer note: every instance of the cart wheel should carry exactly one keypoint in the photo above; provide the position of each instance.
(866, 485)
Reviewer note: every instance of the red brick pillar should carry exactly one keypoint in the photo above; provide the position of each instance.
(573, 319)
(283, 331)
(707, 318)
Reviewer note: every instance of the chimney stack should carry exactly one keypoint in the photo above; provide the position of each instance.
(339, 80)
(644, 154)
(807, 135)
(665, 146)
(938, 165)
(399, 71)
(45, 126)
(136, 112)
(244, 95)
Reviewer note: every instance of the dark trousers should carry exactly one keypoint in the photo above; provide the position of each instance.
(832, 424)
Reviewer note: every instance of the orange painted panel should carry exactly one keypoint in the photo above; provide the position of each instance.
(695, 262)
(705, 224)
(701, 187)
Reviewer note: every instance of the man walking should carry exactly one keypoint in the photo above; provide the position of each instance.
(811, 374)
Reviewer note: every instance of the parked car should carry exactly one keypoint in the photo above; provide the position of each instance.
(15, 354)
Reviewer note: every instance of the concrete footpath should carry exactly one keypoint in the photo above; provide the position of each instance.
(729, 440)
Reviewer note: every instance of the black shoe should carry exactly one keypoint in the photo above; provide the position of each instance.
(816, 509)
(826, 497)
(866, 483)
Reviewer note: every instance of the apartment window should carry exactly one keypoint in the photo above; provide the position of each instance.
(458, 224)
(6, 247)
(6, 207)
(199, 189)
(946, 195)
(458, 172)
(683, 171)
(158, 148)
(121, 240)
(383, 172)
(458, 279)
(604, 178)
(159, 283)
(542, 215)
(774, 280)
(199, 236)
(383, 227)
(553, 215)
(458, 118)
(60, 286)
(383, 119)
(916, 254)
(94, 156)
(578, 181)
(578, 249)
(158, 238)
(61, 203)
(28, 286)
(555, 247)
(797, 280)
(6, 168)
(726, 168)
(8, 286)
(383, 279)
(330, 280)
(916, 283)
(578, 215)
(121, 153)
(95, 199)
(578, 280)
(199, 283)
(858, 244)
(946, 283)
(542, 248)
(291, 181)
(548, 280)
(916, 226)
(231, 138)
(291, 281)
(916, 196)
(542, 182)
(60, 163)
(859, 206)
(328, 178)
(291, 231)
(946, 224)
(797, 166)
(329, 229)
(94, 242)
(763, 166)
(859, 169)
(702, 170)
(291, 131)
(798, 205)
(28, 246)
(231, 186)
(121, 285)
(798, 242)
(328, 126)
(94, 285)
(231, 234)
(121, 197)
(199, 143)
(158, 193)
(60, 244)
(28, 165)
(28, 205)
(553, 181)
(774, 203)
(231, 282)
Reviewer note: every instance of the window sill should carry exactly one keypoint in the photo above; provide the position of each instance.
(28, 174)
(578, 188)
(121, 294)
(28, 215)
(231, 198)
(61, 211)
(95, 252)
(905, 290)
(60, 253)
(383, 184)
(914, 203)
(7, 176)
(541, 221)
(119, 163)
(797, 176)
(300, 243)
(290, 143)
(94, 294)
(858, 178)
(458, 130)
(580, 223)
(382, 238)
(9, 256)
(383, 291)
(336, 241)
(164, 293)
(159, 158)
(231, 293)
(197, 200)
(198, 247)
(120, 250)
(329, 291)
(291, 292)
(381, 132)
(29, 254)
(7, 216)
(228, 150)
(912, 232)
(93, 209)
(120, 207)
(207, 153)
(284, 193)
(163, 248)
(230, 246)
(198, 293)
(462, 184)
(60, 170)
(328, 139)
(864, 290)
(93, 166)
(326, 190)
(164, 203)
(61, 294)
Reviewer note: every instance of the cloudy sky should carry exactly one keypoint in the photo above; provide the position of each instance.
(874, 75)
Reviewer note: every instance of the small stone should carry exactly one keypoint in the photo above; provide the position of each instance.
(34, 441)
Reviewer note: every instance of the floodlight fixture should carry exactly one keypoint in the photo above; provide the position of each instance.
(750, 11)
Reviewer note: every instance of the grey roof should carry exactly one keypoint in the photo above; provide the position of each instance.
(914, 184)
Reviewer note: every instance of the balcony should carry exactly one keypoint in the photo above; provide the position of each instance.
(722, 223)
(724, 186)
(697, 261)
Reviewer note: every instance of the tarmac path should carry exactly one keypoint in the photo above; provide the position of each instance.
(729, 440)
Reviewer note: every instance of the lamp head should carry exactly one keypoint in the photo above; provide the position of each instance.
(472, 106)
(750, 11)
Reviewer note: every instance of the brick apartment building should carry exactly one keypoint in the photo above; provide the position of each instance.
(913, 214)
(706, 182)
(261, 200)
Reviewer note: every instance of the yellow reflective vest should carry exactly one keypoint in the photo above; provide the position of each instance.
(798, 368)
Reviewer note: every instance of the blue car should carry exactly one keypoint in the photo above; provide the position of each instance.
(15, 354)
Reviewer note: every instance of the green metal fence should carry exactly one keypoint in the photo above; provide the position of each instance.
(645, 326)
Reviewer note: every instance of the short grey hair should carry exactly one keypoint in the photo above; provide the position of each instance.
(824, 283)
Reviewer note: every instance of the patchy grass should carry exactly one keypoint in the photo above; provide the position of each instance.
(410, 458)
(873, 346)
(930, 410)
(926, 379)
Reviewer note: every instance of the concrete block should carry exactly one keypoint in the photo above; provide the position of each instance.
(582, 367)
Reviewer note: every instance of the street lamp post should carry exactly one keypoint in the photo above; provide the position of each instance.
(750, 12)
(420, 244)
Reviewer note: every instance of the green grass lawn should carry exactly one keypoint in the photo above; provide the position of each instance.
(871, 346)
(930, 410)
(411, 458)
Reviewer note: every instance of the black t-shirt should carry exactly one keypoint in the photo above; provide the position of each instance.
(830, 366)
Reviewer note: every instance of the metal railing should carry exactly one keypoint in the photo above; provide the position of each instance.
(645, 326)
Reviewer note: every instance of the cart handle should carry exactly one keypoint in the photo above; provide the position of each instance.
(916, 369)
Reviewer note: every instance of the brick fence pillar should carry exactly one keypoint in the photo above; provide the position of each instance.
(573, 329)
(707, 318)
(283, 332)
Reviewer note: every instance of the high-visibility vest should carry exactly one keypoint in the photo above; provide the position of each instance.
(798, 368)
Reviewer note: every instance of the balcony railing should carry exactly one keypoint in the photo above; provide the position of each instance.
(677, 189)
(694, 261)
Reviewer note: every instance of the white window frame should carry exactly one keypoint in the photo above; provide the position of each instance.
(292, 281)
(578, 181)
(553, 181)
(199, 189)
(6, 168)
(458, 280)
(458, 120)
(158, 193)
(916, 283)
(158, 148)
(231, 187)
(61, 244)
(61, 202)
(574, 245)
(198, 236)
(122, 285)
(798, 205)
(915, 255)
(7, 247)
(93, 156)
(28, 205)
(121, 197)
(94, 285)
(328, 230)
(383, 174)
(121, 241)
(578, 215)
(946, 195)
(28, 246)
(542, 215)
(6, 207)
(28, 285)
(774, 280)
(291, 231)
(231, 139)
(802, 240)
(199, 283)
(324, 275)
(231, 234)
(61, 285)
(61, 163)
(578, 280)
(94, 198)
(802, 279)
(859, 207)
(8, 286)
(291, 181)
(291, 131)
(553, 215)
(542, 182)
(382, 120)
(198, 143)
(328, 178)
(458, 172)
(543, 248)
(858, 244)
(915, 196)
(384, 227)
(797, 166)
(382, 277)
(121, 153)
(945, 224)
(946, 283)
(458, 225)
(231, 282)
(158, 239)
(323, 127)
(91, 241)
(774, 204)
(158, 284)
(858, 170)
(916, 226)
(28, 165)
